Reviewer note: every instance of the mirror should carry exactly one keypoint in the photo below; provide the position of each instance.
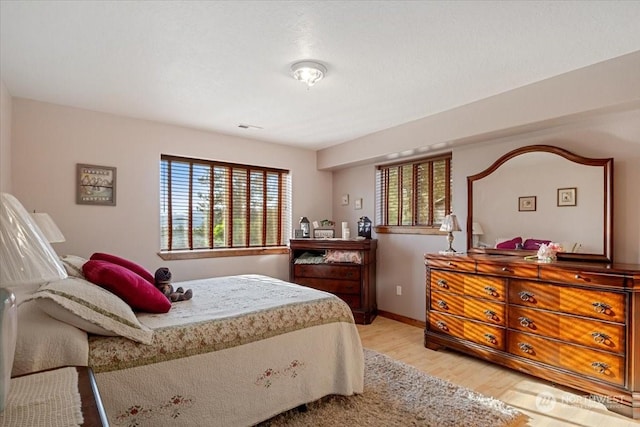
(542, 193)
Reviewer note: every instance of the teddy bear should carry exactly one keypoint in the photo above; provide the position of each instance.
(163, 283)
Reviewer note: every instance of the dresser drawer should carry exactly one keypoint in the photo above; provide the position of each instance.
(470, 284)
(478, 332)
(452, 264)
(591, 333)
(597, 364)
(331, 285)
(581, 278)
(328, 271)
(509, 269)
(483, 310)
(593, 363)
(599, 305)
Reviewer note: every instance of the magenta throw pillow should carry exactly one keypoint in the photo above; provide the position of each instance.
(509, 244)
(534, 244)
(136, 268)
(129, 286)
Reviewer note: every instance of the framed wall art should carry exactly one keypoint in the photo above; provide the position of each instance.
(95, 185)
(567, 196)
(324, 233)
(527, 203)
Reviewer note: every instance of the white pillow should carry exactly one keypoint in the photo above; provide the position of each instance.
(73, 264)
(45, 343)
(90, 308)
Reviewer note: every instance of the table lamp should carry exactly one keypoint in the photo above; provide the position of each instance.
(450, 224)
(476, 232)
(27, 261)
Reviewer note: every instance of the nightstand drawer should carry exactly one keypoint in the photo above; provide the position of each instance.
(595, 304)
(328, 271)
(331, 285)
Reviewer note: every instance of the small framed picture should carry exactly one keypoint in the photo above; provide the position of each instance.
(344, 200)
(567, 196)
(324, 233)
(357, 203)
(95, 185)
(527, 203)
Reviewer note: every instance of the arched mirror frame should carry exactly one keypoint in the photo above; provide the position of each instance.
(606, 164)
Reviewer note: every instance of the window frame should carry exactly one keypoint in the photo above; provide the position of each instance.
(231, 249)
(381, 189)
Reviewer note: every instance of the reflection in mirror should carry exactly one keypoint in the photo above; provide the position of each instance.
(539, 194)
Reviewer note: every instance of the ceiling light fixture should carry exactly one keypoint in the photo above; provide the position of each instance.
(308, 72)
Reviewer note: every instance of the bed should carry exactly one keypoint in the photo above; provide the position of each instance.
(244, 349)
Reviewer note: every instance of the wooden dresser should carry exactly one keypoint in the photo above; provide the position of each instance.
(576, 324)
(354, 283)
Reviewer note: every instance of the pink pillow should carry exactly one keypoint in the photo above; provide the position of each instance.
(138, 269)
(509, 244)
(534, 244)
(129, 286)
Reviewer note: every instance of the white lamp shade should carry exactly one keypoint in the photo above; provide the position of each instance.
(48, 227)
(25, 254)
(450, 223)
(476, 229)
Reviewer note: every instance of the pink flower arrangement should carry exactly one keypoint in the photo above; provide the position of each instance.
(548, 252)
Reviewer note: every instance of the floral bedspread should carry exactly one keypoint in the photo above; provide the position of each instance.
(225, 312)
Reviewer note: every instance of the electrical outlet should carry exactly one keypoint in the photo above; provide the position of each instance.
(398, 290)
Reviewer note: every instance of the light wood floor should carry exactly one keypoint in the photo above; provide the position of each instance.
(404, 342)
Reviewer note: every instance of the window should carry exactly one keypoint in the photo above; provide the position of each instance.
(413, 195)
(216, 205)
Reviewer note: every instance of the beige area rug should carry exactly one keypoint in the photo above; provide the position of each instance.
(397, 394)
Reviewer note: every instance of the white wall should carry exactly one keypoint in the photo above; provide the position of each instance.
(400, 257)
(5, 139)
(48, 141)
(609, 86)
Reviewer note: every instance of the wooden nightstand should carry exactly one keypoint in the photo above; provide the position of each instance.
(93, 412)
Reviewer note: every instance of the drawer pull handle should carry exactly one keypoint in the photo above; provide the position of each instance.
(525, 295)
(442, 283)
(442, 304)
(450, 264)
(600, 337)
(489, 290)
(525, 321)
(506, 270)
(524, 347)
(599, 367)
(600, 307)
(441, 325)
(490, 338)
(491, 315)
